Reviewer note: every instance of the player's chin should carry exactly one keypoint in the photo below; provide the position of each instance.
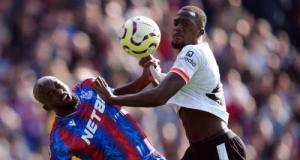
(177, 45)
(67, 105)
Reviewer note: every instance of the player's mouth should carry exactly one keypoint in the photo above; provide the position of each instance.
(177, 37)
(66, 97)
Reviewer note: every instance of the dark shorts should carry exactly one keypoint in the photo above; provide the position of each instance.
(225, 145)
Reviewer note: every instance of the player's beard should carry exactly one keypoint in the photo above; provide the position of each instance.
(178, 46)
(70, 105)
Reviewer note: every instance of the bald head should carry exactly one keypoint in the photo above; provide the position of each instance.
(39, 91)
(53, 94)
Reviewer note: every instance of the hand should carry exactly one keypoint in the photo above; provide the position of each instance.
(146, 63)
(103, 89)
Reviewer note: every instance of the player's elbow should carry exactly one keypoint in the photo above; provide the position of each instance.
(162, 96)
(160, 102)
(161, 99)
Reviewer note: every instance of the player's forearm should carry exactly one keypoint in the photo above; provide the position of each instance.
(133, 87)
(149, 98)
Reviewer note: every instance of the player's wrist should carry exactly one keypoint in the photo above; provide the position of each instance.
(113, 99)
(146, 78)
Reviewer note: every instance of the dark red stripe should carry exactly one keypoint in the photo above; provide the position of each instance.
(78, 145)
(110, 126)
(87, 83)
(84, 112)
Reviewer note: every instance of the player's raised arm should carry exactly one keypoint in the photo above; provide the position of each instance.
(140, 83)
(150, 98)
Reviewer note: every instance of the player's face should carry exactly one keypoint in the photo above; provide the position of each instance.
(185, 31)
(54, 94)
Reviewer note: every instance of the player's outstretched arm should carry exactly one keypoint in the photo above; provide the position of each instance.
(150, 98)
(135, 86)
(140, 83)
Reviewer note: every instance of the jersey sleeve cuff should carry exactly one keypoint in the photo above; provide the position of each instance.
(181, 73)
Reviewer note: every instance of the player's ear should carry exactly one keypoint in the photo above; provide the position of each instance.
(47, 108)
(201, 32)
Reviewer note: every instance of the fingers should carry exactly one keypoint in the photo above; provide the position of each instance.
(101, 81)
(154, 62)
(101, 87)
(99, 84)
(146, 62)
(155, 82)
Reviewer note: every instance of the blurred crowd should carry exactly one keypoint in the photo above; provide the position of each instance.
(256, 44)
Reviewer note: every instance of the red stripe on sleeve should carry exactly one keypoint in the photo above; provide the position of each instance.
(181, 73)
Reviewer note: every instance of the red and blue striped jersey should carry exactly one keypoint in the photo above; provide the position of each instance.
(98, 131)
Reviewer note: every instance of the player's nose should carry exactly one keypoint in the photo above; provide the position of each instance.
(177, 29)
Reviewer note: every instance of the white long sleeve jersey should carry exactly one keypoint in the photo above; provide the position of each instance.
(203, 91)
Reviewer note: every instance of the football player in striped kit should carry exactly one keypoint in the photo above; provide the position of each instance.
(87, 128)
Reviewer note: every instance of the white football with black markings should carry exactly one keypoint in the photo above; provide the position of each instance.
(140, 36)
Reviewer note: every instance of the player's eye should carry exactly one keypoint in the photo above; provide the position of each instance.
(176, 22)
(184, 23)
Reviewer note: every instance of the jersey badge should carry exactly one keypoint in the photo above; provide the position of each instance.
(72, 123)
(86, 95)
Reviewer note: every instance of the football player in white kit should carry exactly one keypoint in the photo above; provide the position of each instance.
(193, 86)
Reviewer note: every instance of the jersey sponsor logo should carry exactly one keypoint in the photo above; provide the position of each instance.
(189, 60)
(189, 53)
(91, 126)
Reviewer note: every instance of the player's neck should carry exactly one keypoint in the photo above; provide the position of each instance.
(64, 113)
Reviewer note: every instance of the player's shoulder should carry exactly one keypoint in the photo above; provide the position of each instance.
(199, 50)
(86, 83)
(189, 47)
(200, 47)
(191, 51)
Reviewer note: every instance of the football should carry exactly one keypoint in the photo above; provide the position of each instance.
(140, 36)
